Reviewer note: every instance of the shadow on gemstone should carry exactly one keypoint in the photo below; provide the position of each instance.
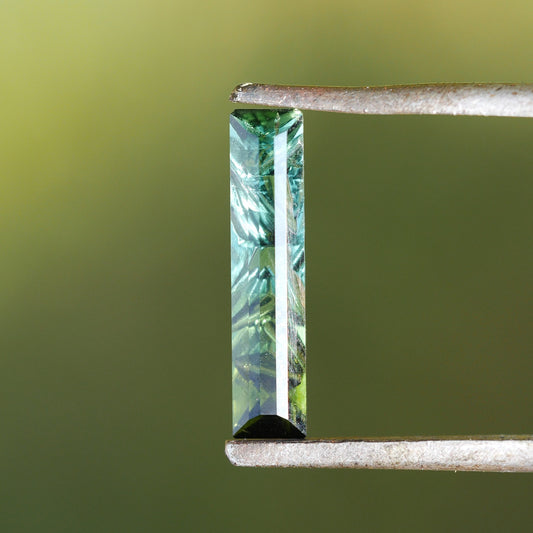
(269, 427)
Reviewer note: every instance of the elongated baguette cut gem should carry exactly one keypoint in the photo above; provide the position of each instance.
(268, 273)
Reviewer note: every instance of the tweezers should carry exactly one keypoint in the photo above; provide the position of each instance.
(475, 99)
(501, 453)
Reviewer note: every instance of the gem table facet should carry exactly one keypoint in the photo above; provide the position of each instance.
(268, 273)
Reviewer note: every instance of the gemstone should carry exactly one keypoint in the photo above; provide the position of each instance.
(268, 273)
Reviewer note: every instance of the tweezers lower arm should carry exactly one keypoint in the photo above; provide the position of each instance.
(475, 454)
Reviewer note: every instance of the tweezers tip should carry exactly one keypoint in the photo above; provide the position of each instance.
(236, 94)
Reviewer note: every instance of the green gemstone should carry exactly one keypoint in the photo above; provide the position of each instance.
(268, 273)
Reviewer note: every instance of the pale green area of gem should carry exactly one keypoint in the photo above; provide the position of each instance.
(253, 255)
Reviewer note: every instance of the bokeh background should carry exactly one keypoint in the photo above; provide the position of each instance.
(115, 373)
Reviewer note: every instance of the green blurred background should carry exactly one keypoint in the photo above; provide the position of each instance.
(115, 379)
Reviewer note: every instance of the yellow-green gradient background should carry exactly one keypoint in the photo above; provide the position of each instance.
(115, 381)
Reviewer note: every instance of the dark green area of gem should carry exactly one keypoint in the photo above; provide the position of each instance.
(269, 427)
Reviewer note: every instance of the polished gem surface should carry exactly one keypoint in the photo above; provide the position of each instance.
(268, 273)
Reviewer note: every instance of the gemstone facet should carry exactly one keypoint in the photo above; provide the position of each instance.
(268, 273)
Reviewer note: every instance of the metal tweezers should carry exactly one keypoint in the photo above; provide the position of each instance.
(502, 453)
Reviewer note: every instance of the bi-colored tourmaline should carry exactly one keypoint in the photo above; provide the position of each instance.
(268, 273)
